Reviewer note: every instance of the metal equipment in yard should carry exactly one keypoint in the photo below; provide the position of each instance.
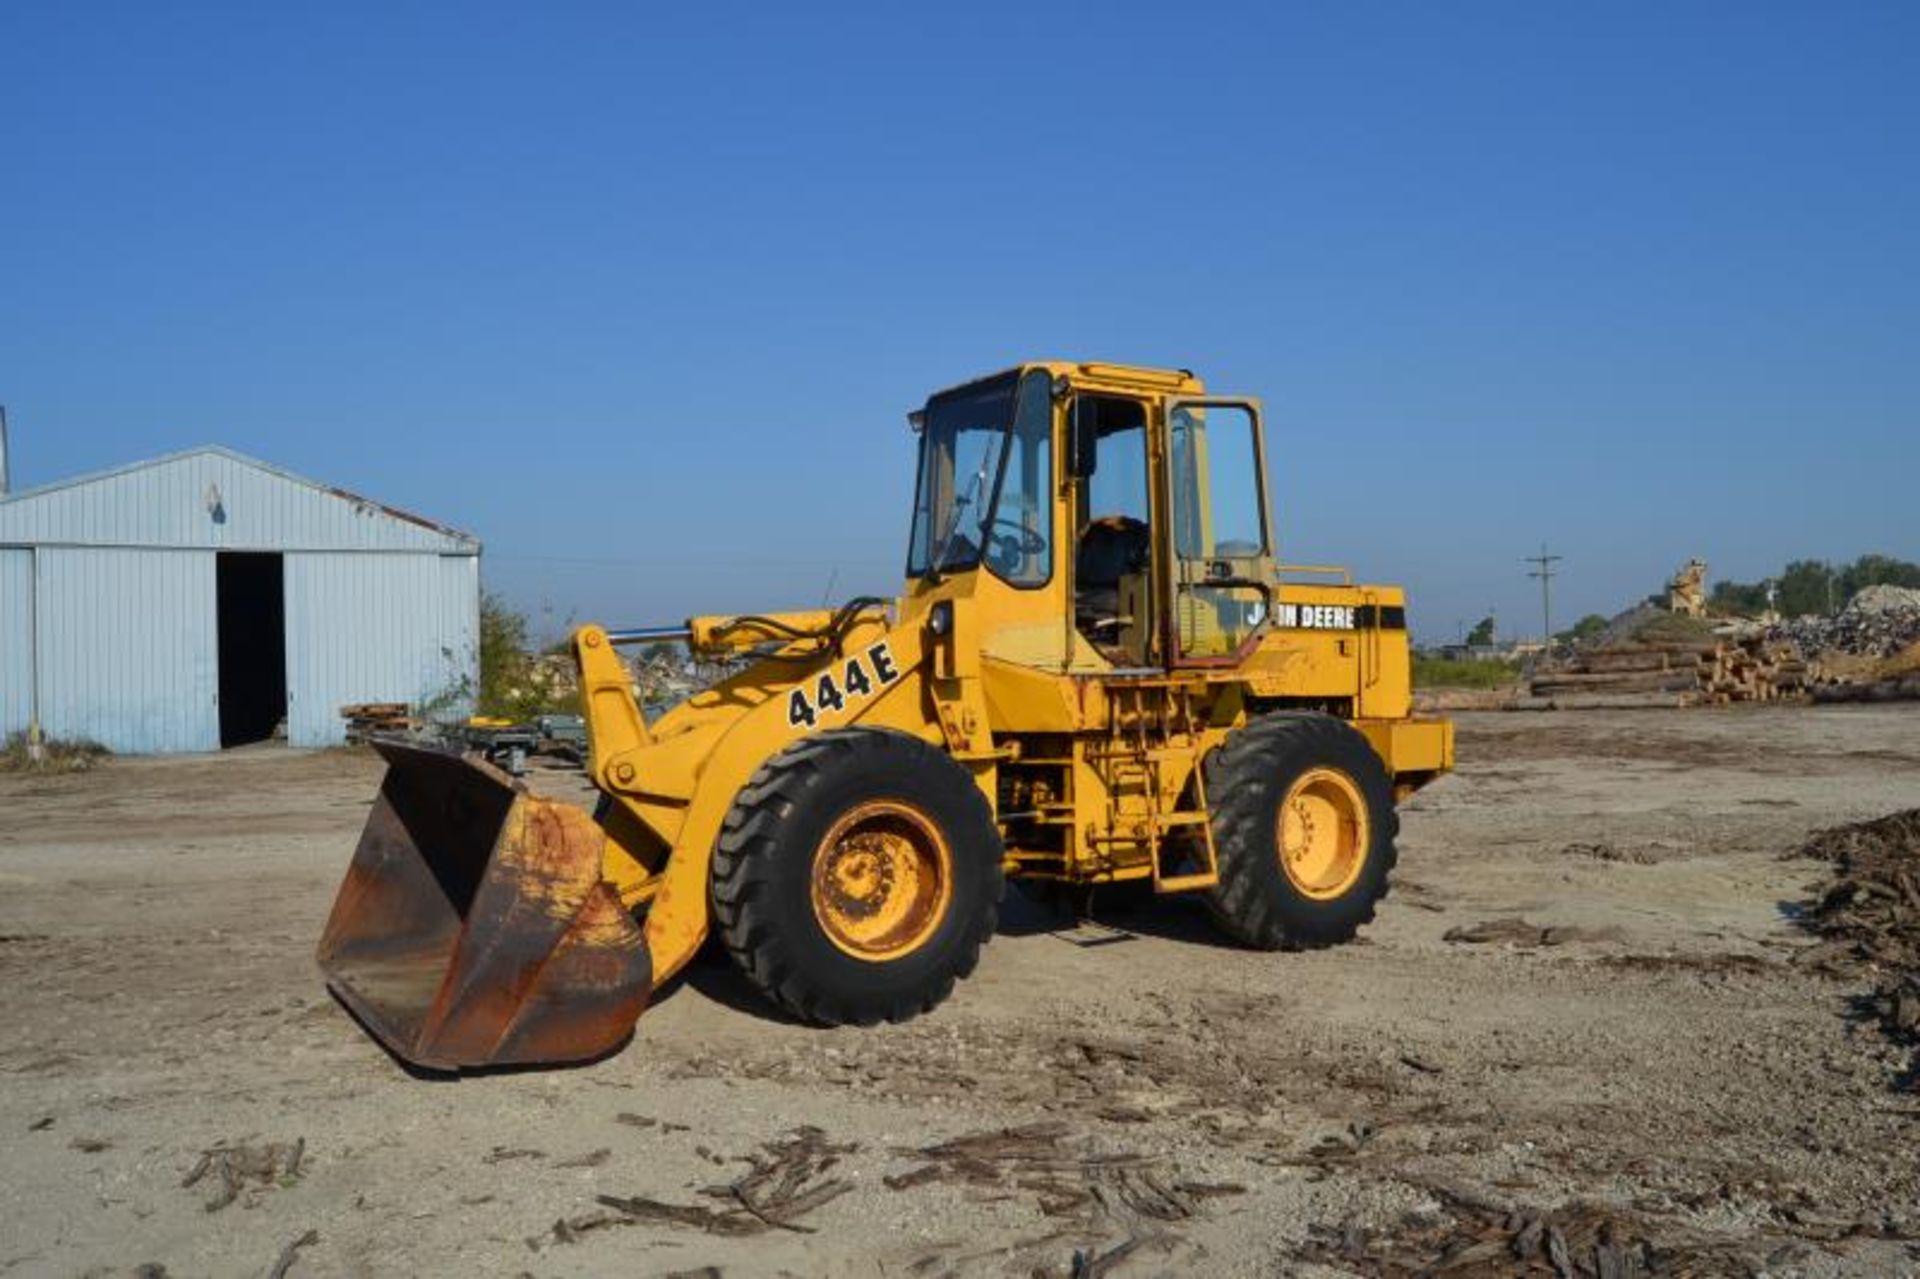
(1098, 672)
(501, 742)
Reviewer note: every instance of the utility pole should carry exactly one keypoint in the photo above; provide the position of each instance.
(1546, 572)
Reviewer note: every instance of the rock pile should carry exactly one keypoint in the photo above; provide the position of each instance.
(1868, 652)
(1877, 622)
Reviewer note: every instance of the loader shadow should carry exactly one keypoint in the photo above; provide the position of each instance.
(1114, 916)
(1108, 915)
(714, 975)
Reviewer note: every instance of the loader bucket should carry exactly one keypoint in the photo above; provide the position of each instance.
(474, 928)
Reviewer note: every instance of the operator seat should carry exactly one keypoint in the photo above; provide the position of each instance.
(1108, 549)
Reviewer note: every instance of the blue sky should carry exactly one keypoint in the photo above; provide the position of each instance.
(640, 295)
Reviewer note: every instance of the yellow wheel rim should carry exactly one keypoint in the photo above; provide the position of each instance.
(1324, 833)
(882, 880)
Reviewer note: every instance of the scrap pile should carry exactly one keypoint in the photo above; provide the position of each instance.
(1666, 669)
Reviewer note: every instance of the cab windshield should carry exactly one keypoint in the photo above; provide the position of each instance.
(985, 454)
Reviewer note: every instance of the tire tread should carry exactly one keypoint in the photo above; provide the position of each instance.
(1241, 772)
(748, 919)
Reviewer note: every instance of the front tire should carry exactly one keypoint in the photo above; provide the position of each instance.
(1303, 823)
(857, 876)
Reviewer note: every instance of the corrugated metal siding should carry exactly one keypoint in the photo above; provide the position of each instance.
(376, 628)
(128, 649)
(16, 639)
(164, 503)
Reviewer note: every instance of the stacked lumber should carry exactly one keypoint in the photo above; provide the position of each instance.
(1672, 672)
(369, 719)
(1752, 670)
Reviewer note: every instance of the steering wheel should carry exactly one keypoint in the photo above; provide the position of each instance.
(1010, 546)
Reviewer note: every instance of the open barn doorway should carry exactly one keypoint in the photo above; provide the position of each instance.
(253, 645)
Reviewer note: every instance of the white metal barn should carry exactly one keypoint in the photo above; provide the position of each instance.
(194, 601)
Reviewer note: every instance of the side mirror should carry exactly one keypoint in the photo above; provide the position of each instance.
(1083, 443)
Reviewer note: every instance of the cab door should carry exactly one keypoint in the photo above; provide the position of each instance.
(1215, 542)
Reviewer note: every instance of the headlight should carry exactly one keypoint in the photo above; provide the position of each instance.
(940, 618)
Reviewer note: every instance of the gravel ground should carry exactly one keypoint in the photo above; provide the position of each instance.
(1579, 1005)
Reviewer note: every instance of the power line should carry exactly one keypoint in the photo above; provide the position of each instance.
(1546, 573)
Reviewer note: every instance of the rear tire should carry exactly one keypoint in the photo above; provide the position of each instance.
(1304, 823)
(857, 876)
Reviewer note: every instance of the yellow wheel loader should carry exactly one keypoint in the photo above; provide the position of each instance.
(1098, 673)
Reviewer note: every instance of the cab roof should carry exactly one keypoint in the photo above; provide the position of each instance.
(1100, 375)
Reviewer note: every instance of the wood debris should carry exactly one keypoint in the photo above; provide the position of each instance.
(592, 1159)
(1574, 1241)
(646, 1211)
(1868, 917)
(632, 1120)
(1605, 852)
(1065, 1177)
(786, 1180)
(228, 1168)
(1522, 935)
(501, 1154)
(1093, 1265)
(291, 1253)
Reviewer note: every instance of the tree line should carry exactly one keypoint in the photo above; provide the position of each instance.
(1813, 586)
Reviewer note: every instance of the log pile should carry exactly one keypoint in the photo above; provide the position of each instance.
(1673, 672)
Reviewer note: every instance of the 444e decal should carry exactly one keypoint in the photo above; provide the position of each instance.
(830, 694)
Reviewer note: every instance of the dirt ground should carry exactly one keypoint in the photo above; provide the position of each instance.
(1642, 1049)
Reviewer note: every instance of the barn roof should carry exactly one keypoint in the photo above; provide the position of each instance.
(214, 498)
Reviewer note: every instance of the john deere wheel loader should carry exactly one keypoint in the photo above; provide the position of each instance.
(1097, 673)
